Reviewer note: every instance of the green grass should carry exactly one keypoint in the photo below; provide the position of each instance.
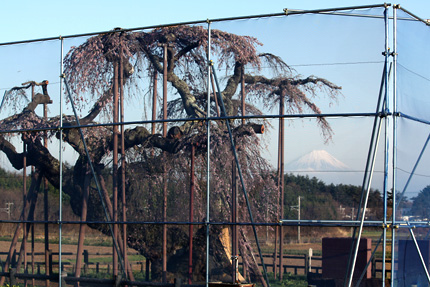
(289, 280)
(99, 241)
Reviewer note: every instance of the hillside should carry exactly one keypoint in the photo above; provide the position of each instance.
(11, 194)
(319, 200)
(322, 201)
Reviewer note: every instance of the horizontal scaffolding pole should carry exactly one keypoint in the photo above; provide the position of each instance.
(412, 15)
(333, 10)
(283, 222)
(294, 116)
(291, 12)
(354, 223)
(415, 119)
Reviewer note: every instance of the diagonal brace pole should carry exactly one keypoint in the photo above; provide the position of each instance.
(419, 253)
(94, 176)
(370, 260)
(233, 148)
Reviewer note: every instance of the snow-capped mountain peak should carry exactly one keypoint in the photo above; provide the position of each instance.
(316, 160)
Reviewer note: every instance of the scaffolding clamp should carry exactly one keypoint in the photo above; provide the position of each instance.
(384, 113)
(385, 53)
(286, 11)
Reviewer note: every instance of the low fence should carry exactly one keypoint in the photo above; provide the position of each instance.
(296, 264)
(303, 264)
(293, 264)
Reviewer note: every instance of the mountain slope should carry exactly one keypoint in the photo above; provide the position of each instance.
(317, 160)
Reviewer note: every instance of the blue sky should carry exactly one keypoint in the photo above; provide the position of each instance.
(23, 20)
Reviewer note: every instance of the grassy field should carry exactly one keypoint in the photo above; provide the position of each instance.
(100, 249)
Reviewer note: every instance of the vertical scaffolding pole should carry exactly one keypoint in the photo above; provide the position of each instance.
(192, 189)
(82, 226)
(393, 235)
(208, 173)
(32, 224)
(154, 102)
(243, 94)
(101, 187)
(278, 207)
(234, 213)
(235, 247)
(24, 196)
(115, 168)
(60, 159)
(281, 183)
(370, 165)
(265, 280)
(164, 167)
(385, 198)
(32, 253)
(123, 198)
(387, 141)
(164, 89)
(45, 198)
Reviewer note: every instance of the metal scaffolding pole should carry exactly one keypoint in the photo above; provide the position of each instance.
(164, 270)
(208, 159)
(97, 183)
(60, 159)
(423, 263)
(234, 215)
(127, 270)
(24, 195)
(370, 162)
(281, 184)
(154, 102)
(394, 162)
(243, 94)
(190, 228)
(82, 226)
(265, 280)
(115, 167)
(45, 198)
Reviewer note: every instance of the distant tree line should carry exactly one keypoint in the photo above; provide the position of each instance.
(326, 201)
(11, 180)
(319, 200)
(420, 204)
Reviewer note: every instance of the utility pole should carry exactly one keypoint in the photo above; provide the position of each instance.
(7, 209)
(298, 217)
(298, 227)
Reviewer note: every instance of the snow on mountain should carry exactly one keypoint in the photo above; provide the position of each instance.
(317, 160)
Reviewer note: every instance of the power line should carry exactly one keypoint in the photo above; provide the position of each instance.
(415, 73)
(417, 174)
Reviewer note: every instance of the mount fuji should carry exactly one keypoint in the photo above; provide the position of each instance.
(317, 160)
